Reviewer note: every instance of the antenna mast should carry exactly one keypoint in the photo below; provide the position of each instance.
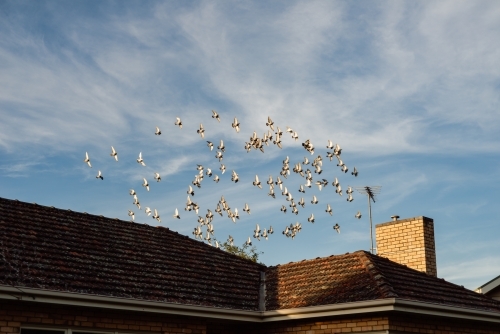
(371, 192)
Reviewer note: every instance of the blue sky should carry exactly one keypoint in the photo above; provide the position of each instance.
(410, 90)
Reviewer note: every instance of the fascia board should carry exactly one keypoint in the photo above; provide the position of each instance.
(364, 307)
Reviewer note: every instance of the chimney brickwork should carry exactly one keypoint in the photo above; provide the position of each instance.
(410, 242)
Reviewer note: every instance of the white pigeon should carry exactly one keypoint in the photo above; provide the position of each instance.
(230, 240)
(319, 184)
(311, 218)
(140, 160)
(157, 216)
(216, 242)
(337, 228)
(145, 184)
(132, 192)
(314, 200)
(157, 132)
(283, 208)
(219, 156)
(270, 180)
(301, 189)
(178, 122)
(330, 144)
(246, 208)
(329, 209)
(295, 135)
(210, 145)
(222, 168)
(208, 172)
(302, 203)
(270, 123)
(131, 214)
(235, 177)
(248, 242)
(176, 214)
(157, 177)
(216, 178)
(221, 146)
(148, 211)
(358, 215)
(99, 175)
(257, 182)
(87, 159)
(236, 125)
(113, 153)
(335, 183)
(339, 190)
(354, 172)
(215, 115)
(201, 131)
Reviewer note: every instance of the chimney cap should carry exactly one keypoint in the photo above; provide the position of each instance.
(395, 217)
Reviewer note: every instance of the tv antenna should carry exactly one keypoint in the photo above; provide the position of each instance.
(371, 192)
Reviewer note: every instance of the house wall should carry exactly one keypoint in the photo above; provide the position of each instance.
(410, 242)
(14, 314)
(495, 293)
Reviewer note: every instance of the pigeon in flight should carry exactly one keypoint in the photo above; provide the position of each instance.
(148, 211)
(235, 177)
(178, 122)
(87, 159)
(248, 242)
(176, 214)
(201, 131)
(157, 216)
(145, 184)
(330, 144)
(222, 168)
(358, 215)
(337, 228)
(246, 208)
(329, 209)
(215, 115)
(158, 131)
(257, 182)
(219, 156)
(210, 145)
(140, 160)
(157, 177)
(354, 172)
(283, 208)
(99, 175)
(113, 153)
(132, 192)
(216, 178)
(230, 240)
(314, 200)
(131, 214)
(221, 146)
(236, 125)
(311, 218)
(270, 123)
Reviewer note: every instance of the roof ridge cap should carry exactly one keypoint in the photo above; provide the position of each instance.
(384, 287)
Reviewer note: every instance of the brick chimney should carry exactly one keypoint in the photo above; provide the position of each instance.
(408, 241)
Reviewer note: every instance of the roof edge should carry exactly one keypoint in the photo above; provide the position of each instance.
(488, 286)
(363, 307)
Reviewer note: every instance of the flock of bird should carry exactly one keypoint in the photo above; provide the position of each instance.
(271, 136)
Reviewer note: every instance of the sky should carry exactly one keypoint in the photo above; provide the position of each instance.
(409, 90)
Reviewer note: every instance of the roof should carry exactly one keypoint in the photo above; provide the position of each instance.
(490, 285)
(362, 276)
(48, 248)
(61, 250)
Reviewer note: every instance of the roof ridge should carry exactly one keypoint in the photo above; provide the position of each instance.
(385, 288)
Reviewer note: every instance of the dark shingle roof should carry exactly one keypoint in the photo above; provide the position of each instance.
(48, 248)
(361, 276)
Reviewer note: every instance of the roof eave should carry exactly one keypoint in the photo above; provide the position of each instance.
(331, 310)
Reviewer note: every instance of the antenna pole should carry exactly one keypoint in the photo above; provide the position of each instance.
(371, 225)
(370, 192)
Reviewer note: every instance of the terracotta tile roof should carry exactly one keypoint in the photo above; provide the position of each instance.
(361, 276)
(54, 249)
